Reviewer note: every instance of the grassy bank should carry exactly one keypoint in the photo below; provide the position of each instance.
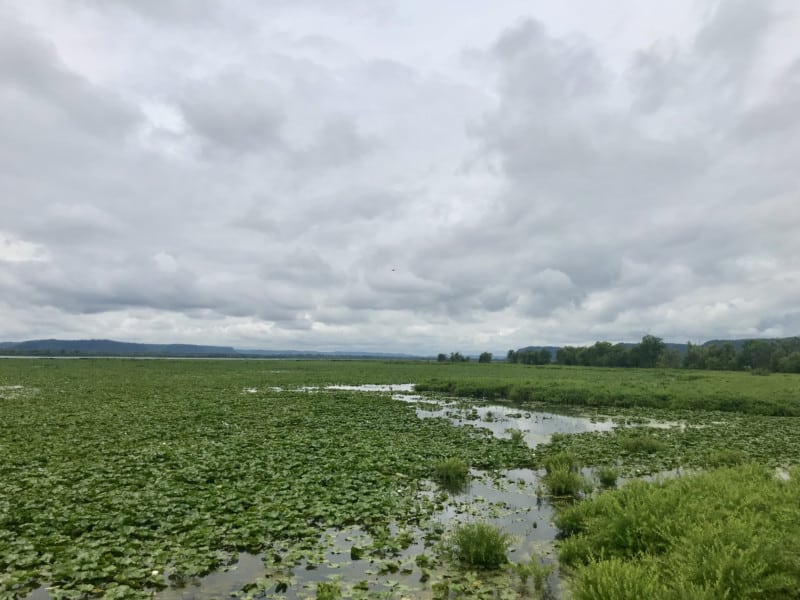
(774, 395)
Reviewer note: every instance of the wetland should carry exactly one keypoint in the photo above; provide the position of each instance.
(208, 479)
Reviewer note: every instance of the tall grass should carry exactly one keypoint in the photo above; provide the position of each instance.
(562, 478)
(643, 443)
(479, 545)
(653, 388)
(607, 476)
(728, 533)
(451, 473)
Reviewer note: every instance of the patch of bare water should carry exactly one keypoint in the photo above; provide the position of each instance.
(536, 427)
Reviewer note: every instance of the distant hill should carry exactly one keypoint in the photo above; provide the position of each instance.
(551, 349)
(315, 354)
(53, 347)
(737, 344)
(110, 347)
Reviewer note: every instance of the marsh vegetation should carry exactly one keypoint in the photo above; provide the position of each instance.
(125, 478)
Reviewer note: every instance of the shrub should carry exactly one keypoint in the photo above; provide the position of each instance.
(479, 545)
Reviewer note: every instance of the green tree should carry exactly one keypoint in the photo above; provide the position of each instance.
(721, 357)
(647, 353)
(567, 355)
(441, 357)
(485, 357)
(544, 357)
(696, 356)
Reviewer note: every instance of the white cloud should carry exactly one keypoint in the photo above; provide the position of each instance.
(14, 250)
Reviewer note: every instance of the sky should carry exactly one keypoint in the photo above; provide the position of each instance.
(399, 175)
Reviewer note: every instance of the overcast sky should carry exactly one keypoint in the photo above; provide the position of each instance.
(399, 175)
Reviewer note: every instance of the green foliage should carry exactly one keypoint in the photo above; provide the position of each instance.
(114, 472)
(616, 579)
(530, 357)
(562, 482)
(562, 478)
(479, 545)
(726, 458)
(626, 388)
(452, 473)
(560, 461)
(534, 568)
(516, 436)
(485, 357)
(643, 443)
(728, 533)
(329, 590)
(607, 476)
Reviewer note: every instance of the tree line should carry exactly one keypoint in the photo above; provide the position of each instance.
(759, 356)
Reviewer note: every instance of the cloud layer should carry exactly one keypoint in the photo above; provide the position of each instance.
(396, 177)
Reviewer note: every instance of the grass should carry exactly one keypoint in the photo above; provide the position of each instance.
(560, 461)
(607, 476)
(643, 443)
(479, 545)
(517, 436)
(725, 458)
(728, 533)
(674, 389)
(329, 590)
(534, 568)
(451, 473)
(182, 464)
(562, 478)
(700, 440)
(563, 483)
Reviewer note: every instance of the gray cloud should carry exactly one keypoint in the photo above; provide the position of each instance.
(297, 175)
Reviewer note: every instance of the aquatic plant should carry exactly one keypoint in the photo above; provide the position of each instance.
(479, 545)
(727, 533)
(725, 458)
(451, 473)
(535, 568)
(563, 482)
(178, 468)
(560, 461)
(643, 443)
(516, 436)
(607, 476)
(329, 590)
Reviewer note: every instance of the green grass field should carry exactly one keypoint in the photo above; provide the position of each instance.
(115, 472)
